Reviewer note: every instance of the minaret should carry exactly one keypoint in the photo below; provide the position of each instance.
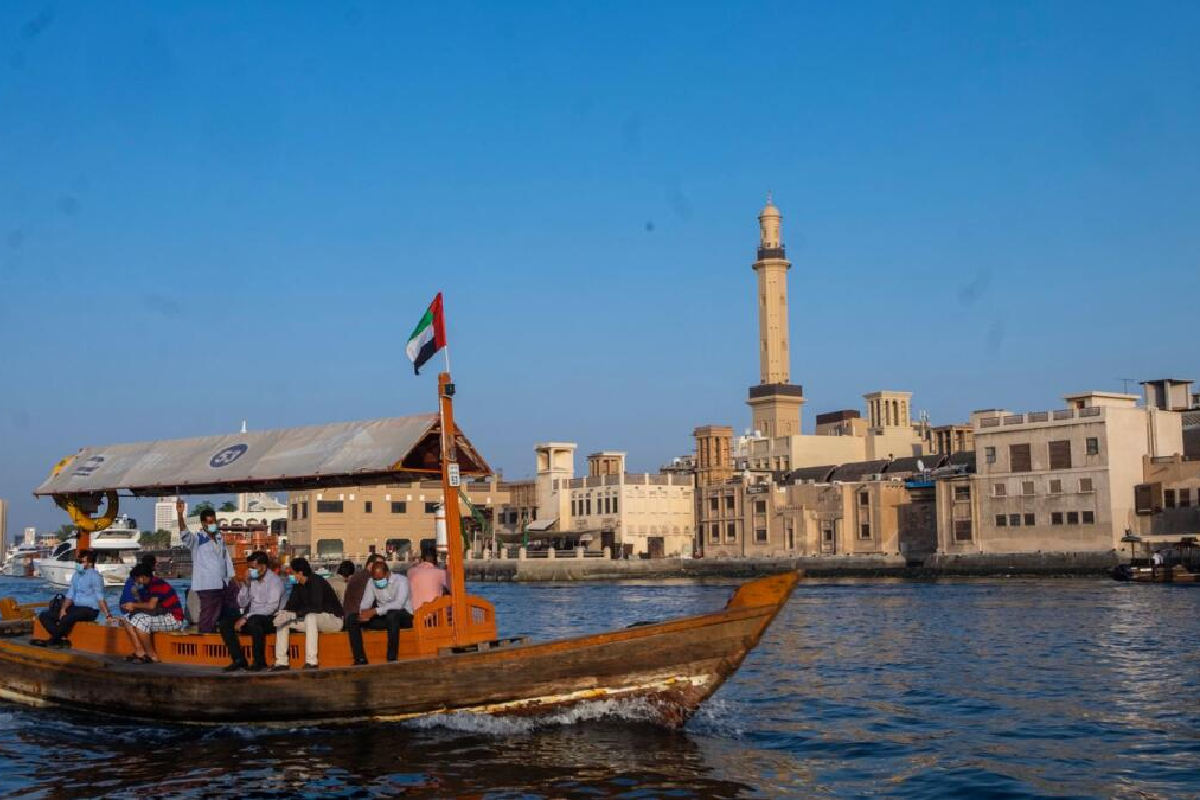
(774, 403)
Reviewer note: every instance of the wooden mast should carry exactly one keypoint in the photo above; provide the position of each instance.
(450, 481)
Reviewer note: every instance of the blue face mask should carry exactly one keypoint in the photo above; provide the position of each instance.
(381, 583)
(292, 579)
(254, 574)
(211, 528)
(79, 566)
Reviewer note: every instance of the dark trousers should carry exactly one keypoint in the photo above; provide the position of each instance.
(211, 603)
(60, 629)
(257, 626)
(392, 622)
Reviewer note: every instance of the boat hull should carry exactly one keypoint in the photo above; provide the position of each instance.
(59, 573)
(669, 668)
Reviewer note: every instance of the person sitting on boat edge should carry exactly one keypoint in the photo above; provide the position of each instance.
(159, 612)
(355, 587)
(259, 599)
(386, 604)
(212, 566)
(426, 580)
(132, 591)
(341, 579)
(83, 602)
(312, 607)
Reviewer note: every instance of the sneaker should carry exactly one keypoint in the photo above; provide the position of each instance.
(236, 666)
(280, 668)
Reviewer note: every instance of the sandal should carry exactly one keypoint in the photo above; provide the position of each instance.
(134, 658)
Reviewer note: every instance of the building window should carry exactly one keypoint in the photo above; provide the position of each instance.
(962, 530)
(1014, 520)
(962, 492)
(1169, 498)
(1060, 454)
(402, 508)
(614, 505)
(431, 508)
(1030, 520)
(574, 513)
(729, 501)
(295, 508)
(989, 453)
(329, 547)
(760, 535)
(999, 490)
(715, 534)
(587, 507)
(730, 532)
(714, 503)
(1001, 520)
(368, 506)
(1093, 446)
(864, 499)
(1020, 458)
(1085, 485)
(1027, 487)
(827, 534)
(760, 506)
(1055, 486)
(329, 506)
(1185, 498)
(1088, 518)
(864, 530)
(1056, 518)
(1072, 517)
(304, 510)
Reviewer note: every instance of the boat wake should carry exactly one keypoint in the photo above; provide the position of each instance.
(627, 709)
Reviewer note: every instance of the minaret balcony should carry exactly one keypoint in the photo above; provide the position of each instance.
(769, 252)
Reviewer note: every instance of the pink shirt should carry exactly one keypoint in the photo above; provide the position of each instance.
(426, 582)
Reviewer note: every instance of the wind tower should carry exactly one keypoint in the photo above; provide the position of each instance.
(774, 402)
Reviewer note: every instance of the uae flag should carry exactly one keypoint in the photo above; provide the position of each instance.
(429, 336)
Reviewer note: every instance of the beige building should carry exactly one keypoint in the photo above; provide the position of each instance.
(353, 522)
(1167, 502)
(1054, 481)
(643, 513)
(948, 439)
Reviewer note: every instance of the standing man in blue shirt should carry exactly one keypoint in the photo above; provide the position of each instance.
(212, 567)
(84, 602)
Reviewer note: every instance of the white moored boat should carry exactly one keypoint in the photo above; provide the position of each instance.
(116, 547)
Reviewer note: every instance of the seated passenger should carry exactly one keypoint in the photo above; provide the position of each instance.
(426, 580)
(386, 605)
(355, 587)
(259, 599)
(132, 592)
(83, 603)
(157, 611)
(312, 608)
(341, 579)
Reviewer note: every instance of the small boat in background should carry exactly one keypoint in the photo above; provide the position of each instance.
(117, 549)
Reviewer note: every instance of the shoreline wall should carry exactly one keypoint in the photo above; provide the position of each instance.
(980, 565)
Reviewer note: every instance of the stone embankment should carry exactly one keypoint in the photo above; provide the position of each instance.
(600, 569)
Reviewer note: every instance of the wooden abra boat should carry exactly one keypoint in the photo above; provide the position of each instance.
(451, 660)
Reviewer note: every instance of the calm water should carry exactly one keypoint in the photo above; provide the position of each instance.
(992, 688)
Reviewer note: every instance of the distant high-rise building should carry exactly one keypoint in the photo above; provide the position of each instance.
(165, 518)
(3, 526)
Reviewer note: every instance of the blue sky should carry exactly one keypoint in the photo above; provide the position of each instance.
(226, 211)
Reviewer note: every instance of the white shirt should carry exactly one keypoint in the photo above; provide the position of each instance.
(395, 597)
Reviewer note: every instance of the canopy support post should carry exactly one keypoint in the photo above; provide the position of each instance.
(450, 481)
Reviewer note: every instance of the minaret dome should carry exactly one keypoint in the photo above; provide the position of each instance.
(770, 227)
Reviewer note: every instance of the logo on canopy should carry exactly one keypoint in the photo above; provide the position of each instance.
(228, 456)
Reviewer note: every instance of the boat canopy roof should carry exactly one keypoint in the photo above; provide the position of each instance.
(394, 450)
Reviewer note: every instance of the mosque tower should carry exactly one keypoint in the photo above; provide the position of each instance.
(774, 403)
